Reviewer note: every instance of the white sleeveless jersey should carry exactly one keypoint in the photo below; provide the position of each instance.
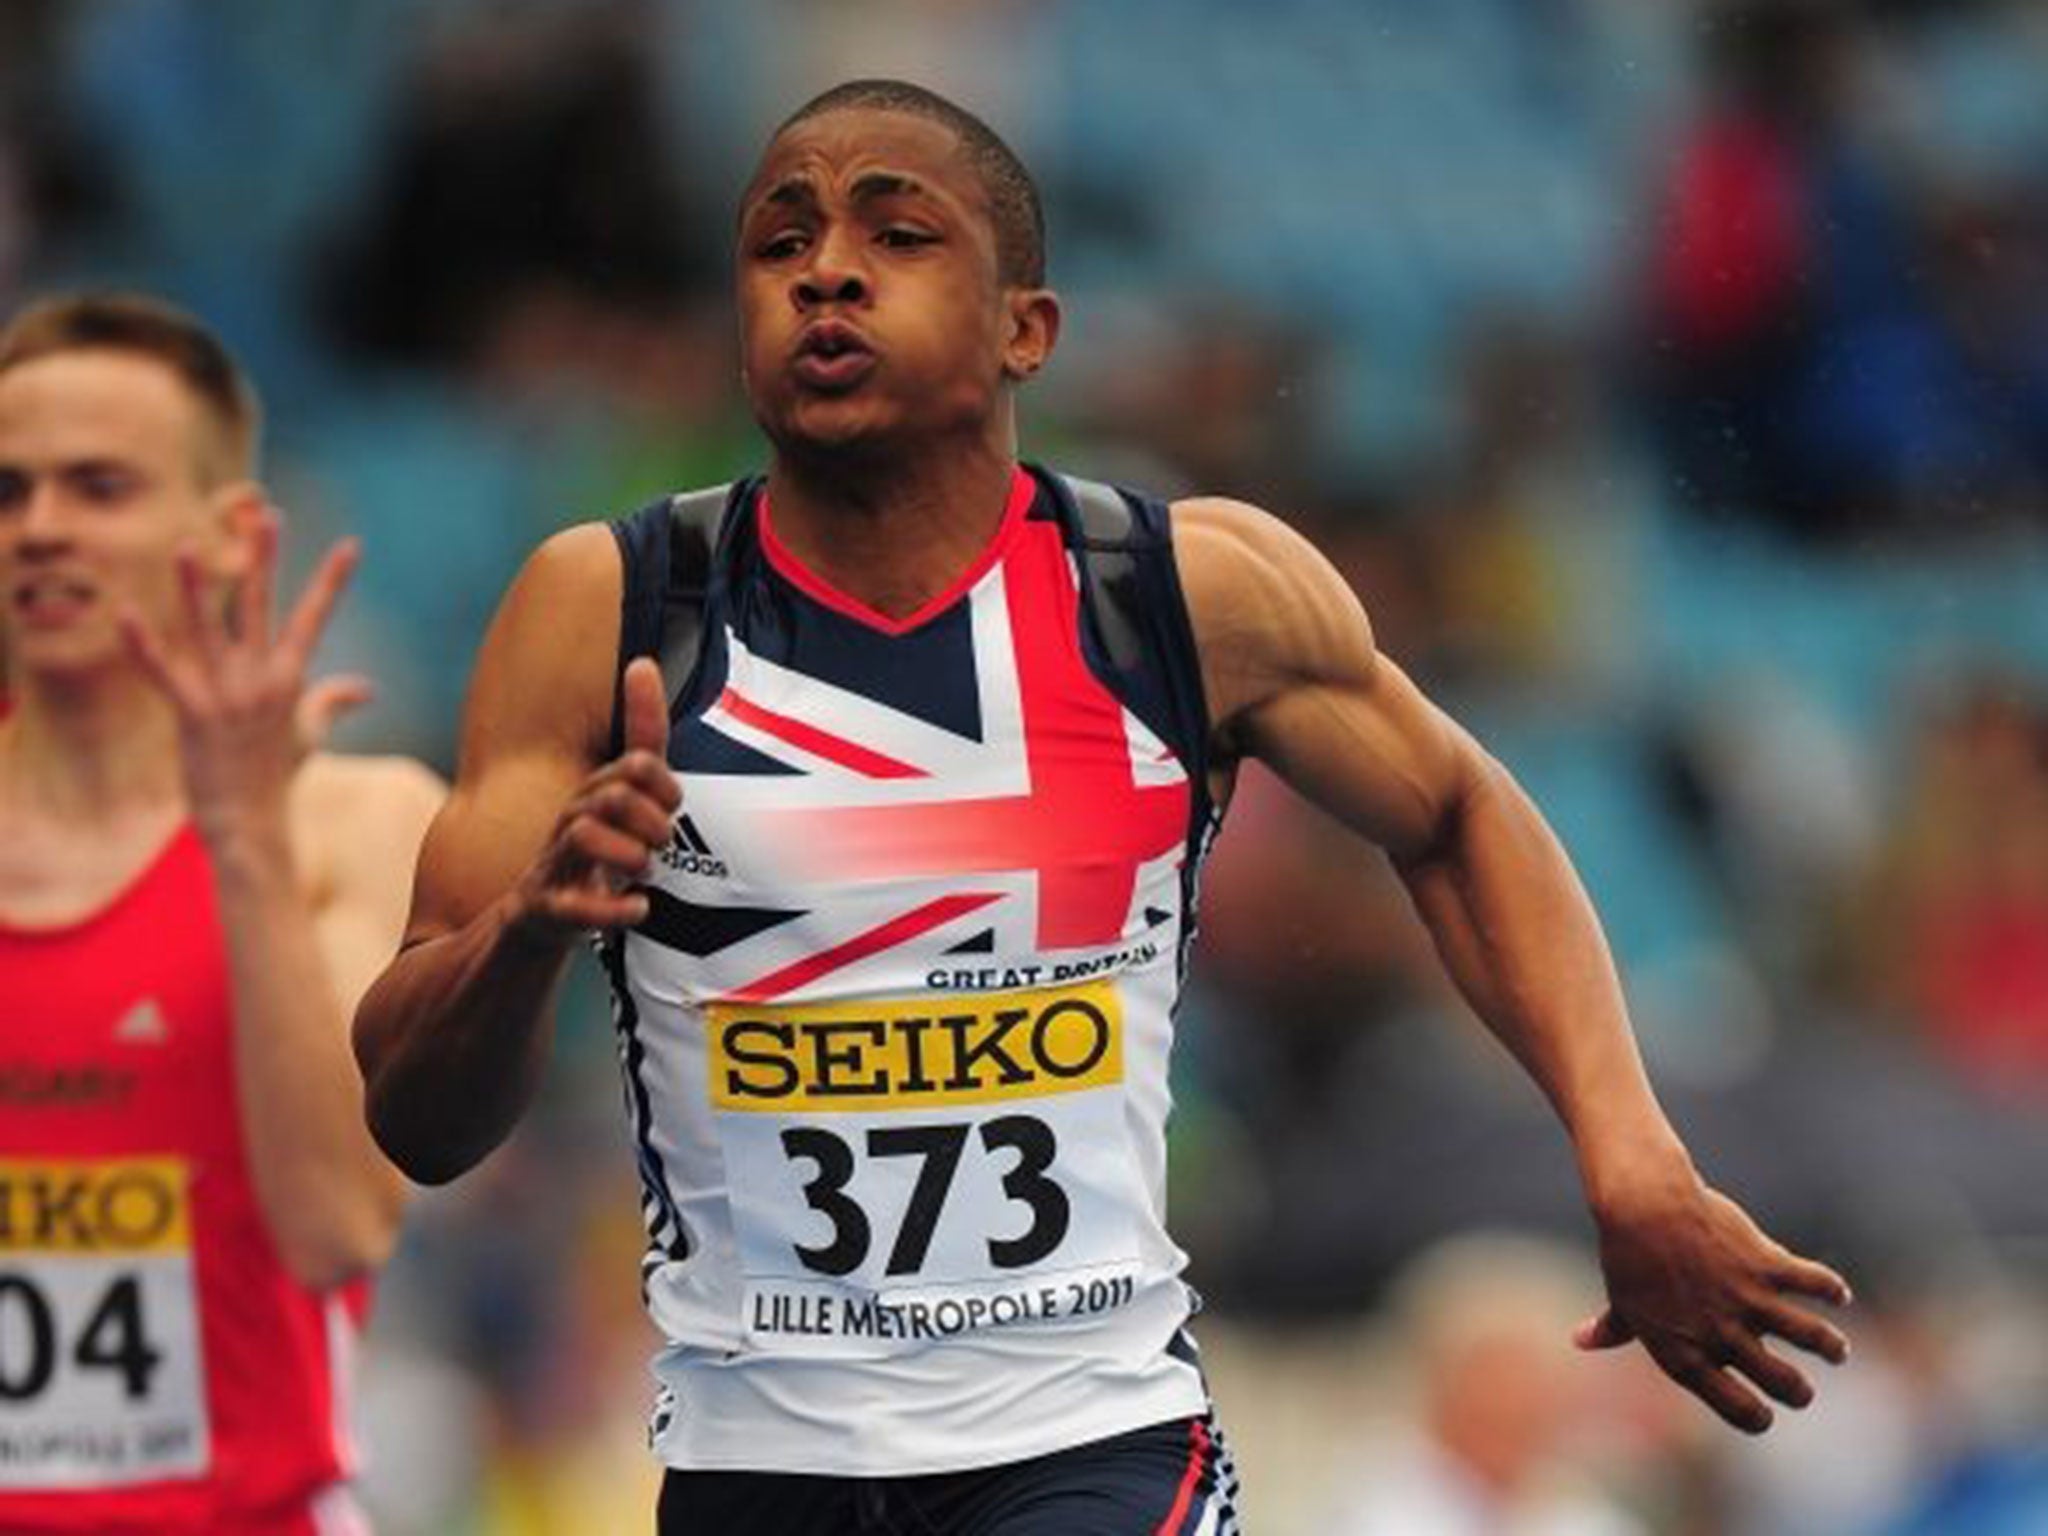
(895, 1033)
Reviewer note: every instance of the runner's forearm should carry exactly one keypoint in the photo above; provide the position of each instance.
(1519, 936)
(331, 1201)
(452, 1040)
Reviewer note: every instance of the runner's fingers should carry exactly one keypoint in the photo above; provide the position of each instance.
(1797, 1326)
(147, 649)
(1737, 1404)
(1808, 1278)
(644, 703)
(606, 849)
(1603, 1330)
(630, 809)
(325, 702)
(254, 593)
(647, 772)
(643, 770)
(592, 907)
(202, 623)
(1779, 1377)
(315, 606)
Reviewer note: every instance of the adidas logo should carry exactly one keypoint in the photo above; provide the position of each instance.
(687, 853)
(144, 1024)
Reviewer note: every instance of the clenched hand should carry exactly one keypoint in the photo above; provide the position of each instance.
(609, 829)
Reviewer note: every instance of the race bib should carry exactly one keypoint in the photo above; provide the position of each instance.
(915, 1170)
(100, 1380)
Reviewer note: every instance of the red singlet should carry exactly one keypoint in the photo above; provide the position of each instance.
(161, 1371)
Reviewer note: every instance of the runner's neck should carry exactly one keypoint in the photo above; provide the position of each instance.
(891, 542)
(89, 752)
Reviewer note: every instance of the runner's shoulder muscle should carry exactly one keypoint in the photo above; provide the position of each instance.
(1269, 611)
(536, 723)
(543, 680)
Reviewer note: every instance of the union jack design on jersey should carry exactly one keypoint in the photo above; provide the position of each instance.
(895, 1032)
(1029, 829)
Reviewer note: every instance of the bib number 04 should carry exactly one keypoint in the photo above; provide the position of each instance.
(112, 1339)
(1027, 1183)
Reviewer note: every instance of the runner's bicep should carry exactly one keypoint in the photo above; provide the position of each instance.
(1297, 680)
(1367, 746)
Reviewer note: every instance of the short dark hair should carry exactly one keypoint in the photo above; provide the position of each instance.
(147, 327)
(1018, 215)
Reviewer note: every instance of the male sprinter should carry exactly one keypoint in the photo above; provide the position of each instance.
(190, 905)
(896, 895)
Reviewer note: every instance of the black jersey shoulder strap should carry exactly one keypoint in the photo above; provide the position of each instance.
(668, 551)
(693, 526)
(1108, 546)
(1134, 611)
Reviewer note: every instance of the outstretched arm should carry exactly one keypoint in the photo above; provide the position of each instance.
(1295, 680)
(537, 845)
(296, 923)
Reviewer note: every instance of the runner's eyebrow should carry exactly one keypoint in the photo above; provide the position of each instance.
(790, 192)
(800, 192)
(878, 184)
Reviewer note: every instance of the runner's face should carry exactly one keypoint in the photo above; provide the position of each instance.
(101, 483)
(870, 311)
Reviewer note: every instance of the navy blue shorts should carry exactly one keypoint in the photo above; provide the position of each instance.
(1172, 1479)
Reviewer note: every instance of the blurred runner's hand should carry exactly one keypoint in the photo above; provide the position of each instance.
(246, 715)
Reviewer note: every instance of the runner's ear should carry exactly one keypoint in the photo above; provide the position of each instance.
(1031, 329)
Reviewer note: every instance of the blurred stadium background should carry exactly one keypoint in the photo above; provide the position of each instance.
(1671, 376)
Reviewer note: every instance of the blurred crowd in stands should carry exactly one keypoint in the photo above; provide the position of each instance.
(1670, 377)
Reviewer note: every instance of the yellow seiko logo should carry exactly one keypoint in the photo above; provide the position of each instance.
(915, 1053)
(129, 1205)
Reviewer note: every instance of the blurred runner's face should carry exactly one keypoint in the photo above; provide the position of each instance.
(101, 483)
(869, 307)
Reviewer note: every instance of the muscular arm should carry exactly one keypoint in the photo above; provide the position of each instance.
(1298, 683)
(1295, 679)
(453, 1037)
(298, 959)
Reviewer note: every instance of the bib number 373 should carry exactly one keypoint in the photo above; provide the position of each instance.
(942, 1164)
(938, 1149)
